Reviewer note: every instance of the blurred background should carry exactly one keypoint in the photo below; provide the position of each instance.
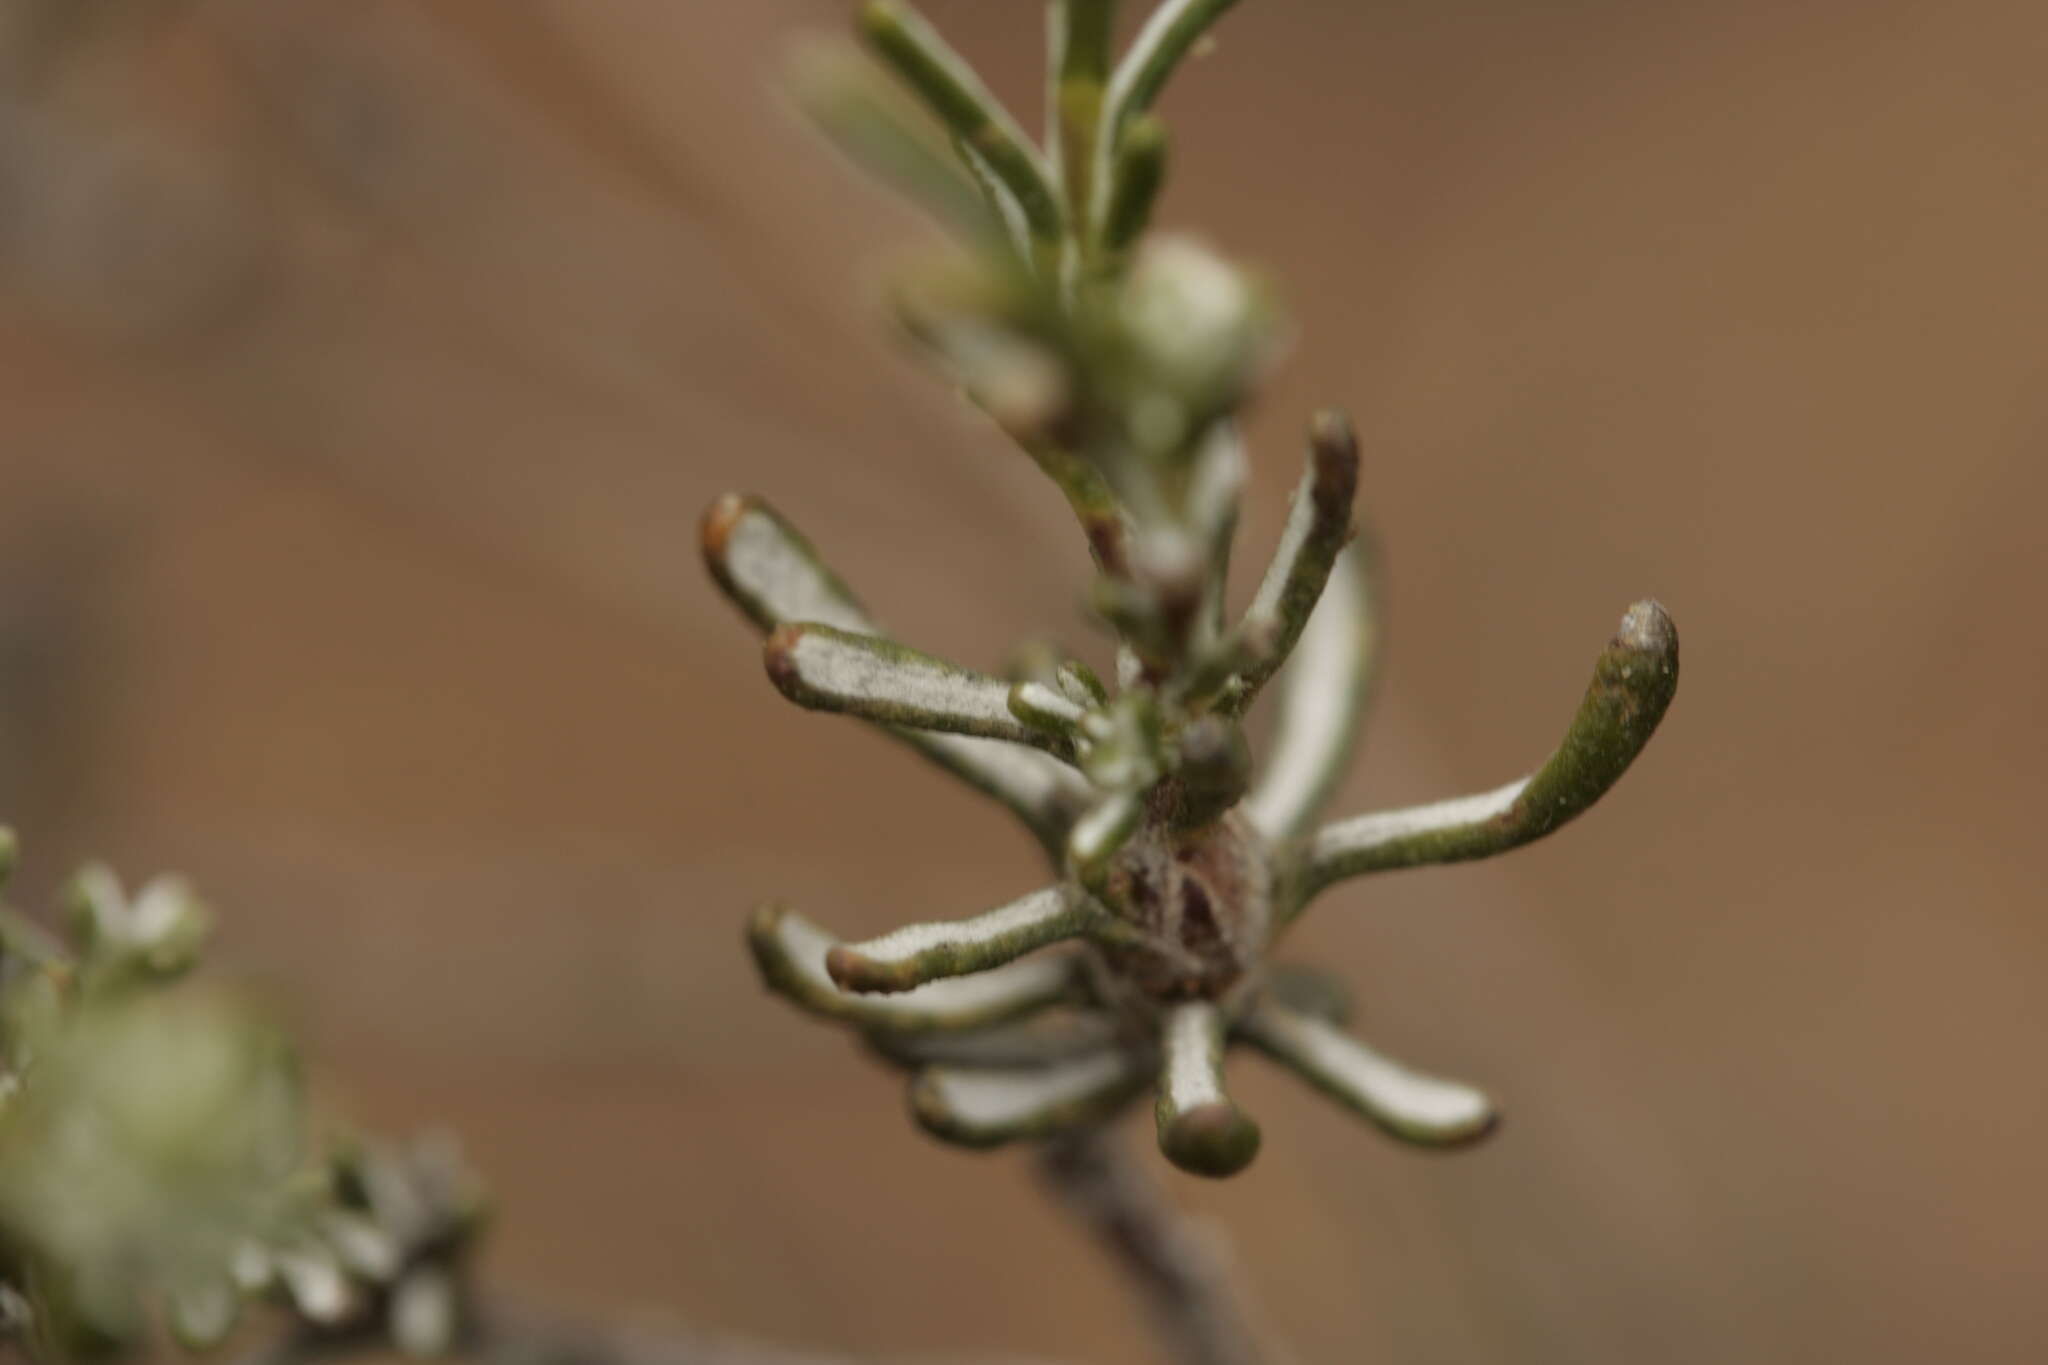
(366, 364)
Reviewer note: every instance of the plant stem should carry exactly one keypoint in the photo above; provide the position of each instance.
(1175, 1264)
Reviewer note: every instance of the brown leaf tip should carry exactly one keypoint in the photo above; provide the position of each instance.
(879, 16)
(778, 655)
(928, 1106)
(1648, 629)
(1215, 1140)
(764, 925)
(720, 519)
(1331, 431)
(1485, 1127)
(1334, 442)
(852, 970)
(764, 941)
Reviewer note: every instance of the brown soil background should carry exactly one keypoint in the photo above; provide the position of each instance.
(365, 365)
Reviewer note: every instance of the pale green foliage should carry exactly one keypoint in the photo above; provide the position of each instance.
(1119, 364)
(151, 1135)
(155, 1159)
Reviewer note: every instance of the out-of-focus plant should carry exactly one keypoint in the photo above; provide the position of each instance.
(155, 1166)
(1119, 363)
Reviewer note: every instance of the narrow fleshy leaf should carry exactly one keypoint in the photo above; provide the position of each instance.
(1317, 530)
(1161, 44)
(10, 854)
(790, 952)
(880, 131)
(1408, 1105)
(986, 1107)
(1201, 1129)
(1000, 201)
(1127, 742)
(1322, 696)
(825, 669)
(1167, 37)
(1099, 833)
(1136, 179)
(772, 574)
(1047, 708)
(1080, 49)
(1052, 1035)
(1081, 685)
(953, 92)
(1215, 486)
(919, 953)
(1634, 680)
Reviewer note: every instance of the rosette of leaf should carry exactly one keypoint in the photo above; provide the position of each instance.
(153, 1153)
(1118, 365)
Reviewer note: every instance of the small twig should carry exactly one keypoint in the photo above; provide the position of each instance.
(1183, 1276)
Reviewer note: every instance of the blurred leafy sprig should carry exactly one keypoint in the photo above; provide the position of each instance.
(156, 1165)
